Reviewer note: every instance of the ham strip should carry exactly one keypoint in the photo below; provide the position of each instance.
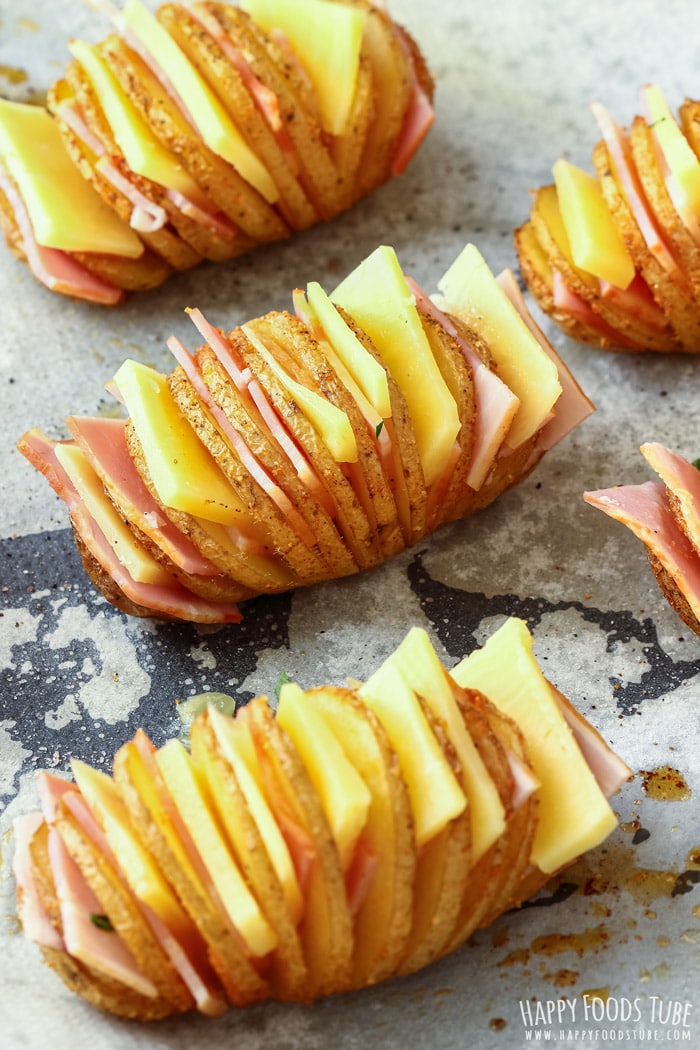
(36, 924)
(146, 217)
(571, 303)
(104, 443)
(572, 405)
(248, 459)
(495, 403)
(167, 599)
(418, 119)
(621, 155)
(56, 269)
(645, 510)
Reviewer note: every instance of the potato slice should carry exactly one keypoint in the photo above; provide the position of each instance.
(288, 974)
(382, 923)
(326, 931)
(264, 439)
(255, 218)
(212, 57)
(156, 821)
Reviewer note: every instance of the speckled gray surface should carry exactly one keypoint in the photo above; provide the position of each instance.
(513, 85)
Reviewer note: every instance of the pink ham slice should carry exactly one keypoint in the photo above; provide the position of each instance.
(419, 117)
(56, 269)
(645, 510)
(36, 924)
(572, 406)
(495, 403)
(621, 154)
(682, 480)
(567, 300)
(254, 467)
(166, 599)
(104, 442)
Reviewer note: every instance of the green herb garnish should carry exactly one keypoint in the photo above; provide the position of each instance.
(282, 680)
(102, 922)
(379, 428)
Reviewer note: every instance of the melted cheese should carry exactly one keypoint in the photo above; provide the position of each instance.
(364, 369)
(143, 152)
(420, 668)
(436, 797)
(135, 862)
(327, 38)
(330, 421)
(471, 293)
(344, 795)
(573, 815)
(186, 787)
(596, 242)
(137, 561)
(378, 299)
(237, 747)
(682, 162)
(207, 111)
(65, 211)
(183, 472)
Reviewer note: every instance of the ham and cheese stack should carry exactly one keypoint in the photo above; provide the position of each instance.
(204, 130)
(614, 257)
(353, 835)
(665, 516)
(308, 446)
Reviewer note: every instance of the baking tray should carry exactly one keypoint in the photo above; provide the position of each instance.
(514, 81)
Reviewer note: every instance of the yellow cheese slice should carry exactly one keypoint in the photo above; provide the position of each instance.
(183, 472)
(379, 300)
(327, 38)
(574, 815)
(549, 211)
(186, 787)
(364, 369)
(143, 152)
(436, 797)
(596, 243)
(344, 795)
(160, 810)
(470, 291)
(330, 421)
(137, 561)
(65, 211)
(136, 863)
(207, 111)
(237, 747)
(421, 670)
(681, 159)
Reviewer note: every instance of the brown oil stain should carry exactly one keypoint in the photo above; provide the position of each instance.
(696, 911)
(665, 784)
(520, 955)
(565, 978)
(592, 939)
(497, 1024)
(499, 938)
(647, 885)
(596, 993)
(13, 75)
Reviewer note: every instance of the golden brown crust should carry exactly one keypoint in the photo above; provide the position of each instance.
(672, 593)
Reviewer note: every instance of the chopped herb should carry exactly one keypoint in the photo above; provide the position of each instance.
(379, 428)
(283, 678)
(102, 922)
(696, 463)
